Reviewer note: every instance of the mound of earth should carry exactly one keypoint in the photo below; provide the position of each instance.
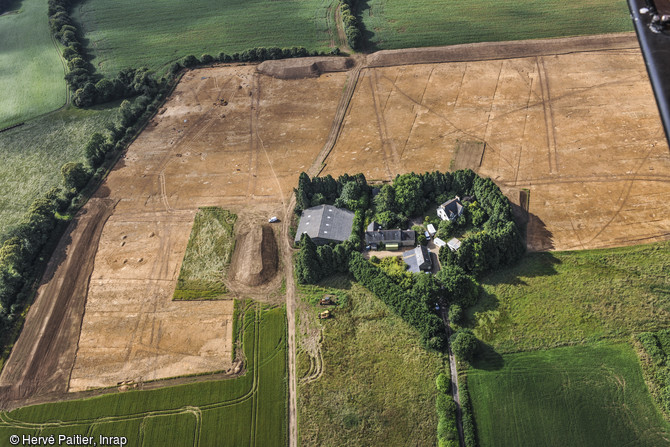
(306, 67)
(255, 260)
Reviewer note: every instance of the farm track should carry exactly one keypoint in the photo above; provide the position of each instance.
(338, 121)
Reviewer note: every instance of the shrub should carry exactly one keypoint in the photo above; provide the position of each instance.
(464, 344)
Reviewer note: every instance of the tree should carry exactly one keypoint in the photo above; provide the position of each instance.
(464, 344)
(459, 287)
(105, 89)
(75, 175)
(96, 149)
(85, 96)
(443, 383)
(455, 314)
(409, 194)
(307, 266)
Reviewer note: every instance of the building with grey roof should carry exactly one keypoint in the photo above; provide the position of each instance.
(325, 224)
(450, 209)
(401, 238)
(418, 259)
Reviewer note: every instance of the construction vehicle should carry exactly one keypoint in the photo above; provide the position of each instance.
(325, 314)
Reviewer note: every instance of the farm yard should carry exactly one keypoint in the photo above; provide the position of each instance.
(583, 395)
(365, 352)
(155, 33)
(248, 410)
(391, 24)
(32, 75)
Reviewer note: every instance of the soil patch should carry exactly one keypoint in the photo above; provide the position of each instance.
(307, 67)
(255, 261)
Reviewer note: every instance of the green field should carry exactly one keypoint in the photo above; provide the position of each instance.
(576, 396)
(393, 24)
(247, 411)
(553, 299)
(31, 155)
(208, 253)
(378, 384)
(31, 70)
(154, 33)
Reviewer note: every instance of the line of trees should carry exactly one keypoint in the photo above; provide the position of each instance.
(468, 419)
(447, 431)
(410, 307)
(348, 191)
(352, 28)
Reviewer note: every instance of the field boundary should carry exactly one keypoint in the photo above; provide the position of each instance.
(472, 52)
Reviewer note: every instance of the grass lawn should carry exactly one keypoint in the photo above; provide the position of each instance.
(155, 33)
(578, 396)
(208, 253)
(31, 155)
(393, 24)
(249, 410)
(378, 384)
(31, 71)
(552, 299)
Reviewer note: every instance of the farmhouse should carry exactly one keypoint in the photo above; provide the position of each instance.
(450, 209)
(418, 259)
(392, 239)
(325, 224)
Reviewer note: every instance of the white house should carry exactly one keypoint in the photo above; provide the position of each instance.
(450, 209)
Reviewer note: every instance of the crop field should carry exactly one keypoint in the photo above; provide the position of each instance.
(246, 411)
(393, 24)
(208, 254)
(550, 299)
(377, 385)
(155, 33)
(32, 71)
(579, 396)
(31, 155)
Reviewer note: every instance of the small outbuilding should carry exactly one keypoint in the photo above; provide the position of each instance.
(439, 242)
(454, 244)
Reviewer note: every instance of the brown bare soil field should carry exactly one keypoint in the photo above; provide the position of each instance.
(579, 130)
